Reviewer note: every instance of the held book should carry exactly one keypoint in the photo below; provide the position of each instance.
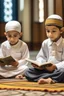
(7, 60)
(37, 63)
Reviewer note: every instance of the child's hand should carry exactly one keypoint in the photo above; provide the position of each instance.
(51, 68)
(15, 64)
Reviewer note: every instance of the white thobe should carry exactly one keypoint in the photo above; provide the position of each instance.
(52, 52)
(19, 52)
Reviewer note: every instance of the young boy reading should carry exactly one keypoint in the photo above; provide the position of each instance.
(52, 50)
(16, 48)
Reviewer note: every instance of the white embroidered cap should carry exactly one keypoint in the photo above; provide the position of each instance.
(13, 25)
(54, 16)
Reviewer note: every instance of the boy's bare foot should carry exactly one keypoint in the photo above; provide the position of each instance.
(45, 81)
(19, 77)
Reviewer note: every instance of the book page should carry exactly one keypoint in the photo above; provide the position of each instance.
(38, 63)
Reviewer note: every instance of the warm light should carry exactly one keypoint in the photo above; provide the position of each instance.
(41, 11)
(8, 10)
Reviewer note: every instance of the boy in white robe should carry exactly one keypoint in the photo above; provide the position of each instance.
(16, 48)
(52, 50)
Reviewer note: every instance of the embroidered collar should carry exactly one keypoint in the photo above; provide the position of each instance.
(57, 43)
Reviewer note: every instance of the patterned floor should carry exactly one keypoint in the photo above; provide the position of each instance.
(28, 93)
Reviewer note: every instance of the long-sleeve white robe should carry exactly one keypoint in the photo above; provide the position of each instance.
(19, 52)
(52, 52)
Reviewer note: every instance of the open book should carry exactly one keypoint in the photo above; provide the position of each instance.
(38, 63)
(7, 60)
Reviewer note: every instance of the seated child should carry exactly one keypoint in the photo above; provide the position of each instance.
(52, 50)
(16, 48)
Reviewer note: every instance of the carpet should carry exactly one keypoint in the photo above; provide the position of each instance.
(34, 86)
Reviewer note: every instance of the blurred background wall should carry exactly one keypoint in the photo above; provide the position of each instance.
(32, 15)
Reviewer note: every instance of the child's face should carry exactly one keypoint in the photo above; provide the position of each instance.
(13, 37)
(53, 33)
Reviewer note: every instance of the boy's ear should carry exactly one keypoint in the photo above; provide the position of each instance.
(62, 29)
(5, 33)
(20, 34)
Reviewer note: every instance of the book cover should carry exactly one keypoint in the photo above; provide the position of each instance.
(7, 60)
